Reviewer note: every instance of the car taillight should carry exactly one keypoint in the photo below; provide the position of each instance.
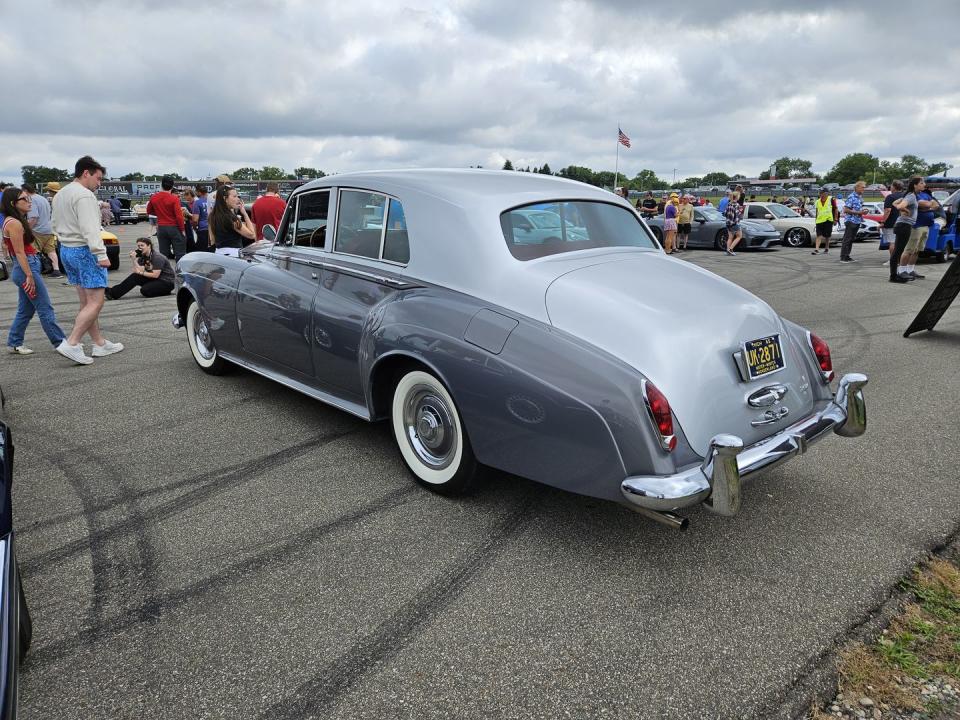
(822, 352)
(659, 410)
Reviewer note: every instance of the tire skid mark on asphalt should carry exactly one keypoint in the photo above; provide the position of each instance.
(853, 342)
(326, 687)
(55, 520)
(122, 571)
(211, 483)
(154, 607)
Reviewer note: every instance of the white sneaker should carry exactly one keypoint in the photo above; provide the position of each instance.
(886, 263)
(108, 348)
(21, 350)
(74, 352)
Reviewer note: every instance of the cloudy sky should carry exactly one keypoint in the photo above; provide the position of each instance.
(205, 87)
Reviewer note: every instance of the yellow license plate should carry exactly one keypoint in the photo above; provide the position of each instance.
(763, 356)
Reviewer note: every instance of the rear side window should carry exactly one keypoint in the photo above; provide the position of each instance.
(550, 228)
(372, 225)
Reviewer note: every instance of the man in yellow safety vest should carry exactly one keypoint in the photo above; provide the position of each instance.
(827, 215)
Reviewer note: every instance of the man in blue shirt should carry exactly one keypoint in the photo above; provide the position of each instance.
(724, 201)
(198, 218)
(853, 213)
(115, 209)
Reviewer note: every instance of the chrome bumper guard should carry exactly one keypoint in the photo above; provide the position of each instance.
(177, 321)
(717, 480)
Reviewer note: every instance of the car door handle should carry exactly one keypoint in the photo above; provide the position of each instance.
(314, 275)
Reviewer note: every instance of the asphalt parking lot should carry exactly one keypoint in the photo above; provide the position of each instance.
(222, 547)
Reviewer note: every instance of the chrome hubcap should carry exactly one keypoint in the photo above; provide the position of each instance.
(430, 427)
(201, 336)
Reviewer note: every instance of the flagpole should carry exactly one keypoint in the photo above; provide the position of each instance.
(616, 171)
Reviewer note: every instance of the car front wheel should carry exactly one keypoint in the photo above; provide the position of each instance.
(201, 342)
(796, 237)
(432, 441)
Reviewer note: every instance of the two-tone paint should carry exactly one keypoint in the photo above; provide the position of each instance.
(545, 358)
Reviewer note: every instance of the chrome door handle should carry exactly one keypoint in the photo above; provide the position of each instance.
(314, 275)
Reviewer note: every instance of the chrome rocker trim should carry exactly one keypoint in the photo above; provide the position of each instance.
(717, 480)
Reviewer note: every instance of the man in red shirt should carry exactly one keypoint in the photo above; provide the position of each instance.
(166, 207)
(268, 209)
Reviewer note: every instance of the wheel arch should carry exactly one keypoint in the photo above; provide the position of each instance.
(386, 371)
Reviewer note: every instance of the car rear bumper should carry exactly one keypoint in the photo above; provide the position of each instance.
(718, 479)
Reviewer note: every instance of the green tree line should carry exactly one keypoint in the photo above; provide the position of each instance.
(850, 168)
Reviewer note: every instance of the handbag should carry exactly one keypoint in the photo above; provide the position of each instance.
(4, 273)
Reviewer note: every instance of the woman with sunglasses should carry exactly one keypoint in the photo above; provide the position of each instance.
(33, 297)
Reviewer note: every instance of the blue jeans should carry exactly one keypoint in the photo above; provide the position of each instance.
(27, 307)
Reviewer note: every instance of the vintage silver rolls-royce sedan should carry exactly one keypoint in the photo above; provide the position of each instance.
(523, 322)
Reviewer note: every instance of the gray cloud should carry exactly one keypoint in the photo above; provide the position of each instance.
(201, 88)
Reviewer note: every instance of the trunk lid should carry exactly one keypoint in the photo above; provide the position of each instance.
(680, 326)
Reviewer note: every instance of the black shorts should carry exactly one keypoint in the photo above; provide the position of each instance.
(825, 229)
(684, 228)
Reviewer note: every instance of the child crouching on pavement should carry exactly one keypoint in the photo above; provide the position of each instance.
(151, 271)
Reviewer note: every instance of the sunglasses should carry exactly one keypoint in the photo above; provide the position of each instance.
(21, 199)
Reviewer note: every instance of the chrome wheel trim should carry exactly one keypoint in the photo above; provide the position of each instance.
(427, 427)
(794, 237)
(198, 334)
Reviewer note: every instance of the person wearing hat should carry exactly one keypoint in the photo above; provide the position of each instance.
(211, 197)
(670, 223)
(51, 189)
(684, 222)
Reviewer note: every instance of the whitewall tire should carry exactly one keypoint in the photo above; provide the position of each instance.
(430, 435)
(201, 342)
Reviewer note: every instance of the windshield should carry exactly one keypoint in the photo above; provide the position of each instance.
(542, 229)
(781, 211)
(711, 214)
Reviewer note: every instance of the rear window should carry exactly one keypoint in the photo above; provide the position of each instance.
(535, 231)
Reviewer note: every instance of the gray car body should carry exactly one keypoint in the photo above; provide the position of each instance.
(544, 358)
(704, 233)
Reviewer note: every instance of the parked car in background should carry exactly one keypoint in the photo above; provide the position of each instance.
(15, 623)
(112, 244)
(590, 361)
(709, 230)
(796, 231)
(141, 210)
(128, 213)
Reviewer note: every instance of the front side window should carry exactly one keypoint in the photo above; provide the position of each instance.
(542, 229)
(311, 227)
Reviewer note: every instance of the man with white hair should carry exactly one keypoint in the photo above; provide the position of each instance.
(853, 213)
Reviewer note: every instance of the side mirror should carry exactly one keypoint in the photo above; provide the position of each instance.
(767, 216)
(269, 233)
(701, 220)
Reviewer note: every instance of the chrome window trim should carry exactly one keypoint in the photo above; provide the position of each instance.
(383, 230)
(297, 218)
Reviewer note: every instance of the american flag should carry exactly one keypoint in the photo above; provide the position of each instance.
(624, 140)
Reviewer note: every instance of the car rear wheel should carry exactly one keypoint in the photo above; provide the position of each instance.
(201, 342)
(796, 237)
(432, 441)
(720, 240)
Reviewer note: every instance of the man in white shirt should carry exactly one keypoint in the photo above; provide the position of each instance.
(76, 220)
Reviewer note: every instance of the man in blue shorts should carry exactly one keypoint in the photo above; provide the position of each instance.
(76, 220)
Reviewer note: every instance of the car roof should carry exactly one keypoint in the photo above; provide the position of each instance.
(465, 187)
